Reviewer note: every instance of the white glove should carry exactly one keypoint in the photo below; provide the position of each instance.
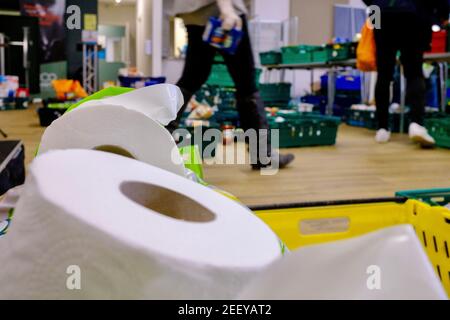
(228, 15)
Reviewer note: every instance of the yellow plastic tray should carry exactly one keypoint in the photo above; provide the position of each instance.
(305, 224)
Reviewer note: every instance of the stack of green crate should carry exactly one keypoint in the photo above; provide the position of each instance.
(224, 99)
(304, 130)
(298, 54)
(319, 54)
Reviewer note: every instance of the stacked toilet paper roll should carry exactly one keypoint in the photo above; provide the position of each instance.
(386, 264)
(94, 225)
(130, 124)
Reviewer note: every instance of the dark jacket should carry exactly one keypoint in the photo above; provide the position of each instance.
(429, 10)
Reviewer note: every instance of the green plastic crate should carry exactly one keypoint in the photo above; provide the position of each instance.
(306, 130)
(433, 197)
(275, 92)
(297, 54)
(362, 118)
(334, 52)
(270, 57)
(321, 54)
(342, 51)
(439, 129)
(367, 119)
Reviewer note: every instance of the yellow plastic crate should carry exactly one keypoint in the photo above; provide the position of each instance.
(307, 224)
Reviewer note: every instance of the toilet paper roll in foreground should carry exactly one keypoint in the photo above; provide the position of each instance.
(93, 225)
(387, 264)
(130, 124)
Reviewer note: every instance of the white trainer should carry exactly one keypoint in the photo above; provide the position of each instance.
(420, 135)
(382, 136)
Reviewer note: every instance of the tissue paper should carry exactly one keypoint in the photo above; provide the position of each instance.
(387, 264)
(94, 225)
(130, 125)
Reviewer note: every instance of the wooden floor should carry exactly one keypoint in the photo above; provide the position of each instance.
(355, 168)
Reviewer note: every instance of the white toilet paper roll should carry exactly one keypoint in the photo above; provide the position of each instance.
(386, 264)
(94, 225)
(129, 124)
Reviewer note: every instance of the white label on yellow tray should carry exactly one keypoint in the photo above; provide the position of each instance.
(321, 226)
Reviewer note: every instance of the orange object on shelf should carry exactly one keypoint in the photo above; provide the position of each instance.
(68, 89)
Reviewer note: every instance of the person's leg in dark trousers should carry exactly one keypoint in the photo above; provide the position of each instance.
(199, 60)
(252, 115)
(386, 61)
(412, 61)
(413, 47)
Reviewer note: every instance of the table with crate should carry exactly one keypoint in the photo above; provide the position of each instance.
(334, 57)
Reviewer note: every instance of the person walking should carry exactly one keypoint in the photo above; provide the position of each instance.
(406, 26)
(241, 66)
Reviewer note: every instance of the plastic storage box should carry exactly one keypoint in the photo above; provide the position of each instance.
(305, 130)
(270, 57)
(343, 51)
(278, 92)
(130, 82)
(297, 54)
(346, 219)
(439, 129)
(367, 119)
(334, 52)
(362, 118)
(433, 197)
(321, 54)
(344, 82)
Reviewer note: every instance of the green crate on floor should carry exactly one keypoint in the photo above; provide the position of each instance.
(271, 92)
(362, 118)
(270, 57)
(367, 119)
(439, 129)
(306, 130)
(297, 54)
(433, 197)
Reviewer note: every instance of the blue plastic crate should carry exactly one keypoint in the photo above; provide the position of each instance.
(130, 82)
(315, 100)
(343, 82)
